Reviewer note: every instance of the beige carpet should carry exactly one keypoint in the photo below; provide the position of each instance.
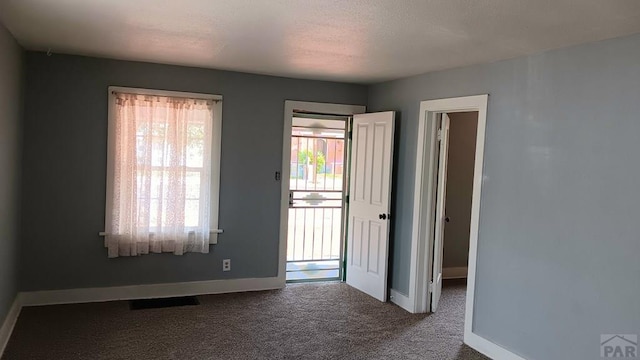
(303, 321)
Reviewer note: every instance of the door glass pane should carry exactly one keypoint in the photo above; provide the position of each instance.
(314, 246)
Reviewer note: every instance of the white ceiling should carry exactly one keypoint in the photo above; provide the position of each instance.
(347, 40)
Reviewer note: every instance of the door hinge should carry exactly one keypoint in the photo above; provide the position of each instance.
(346, 199)
(439, 134)
(430, 286)
(350, 135)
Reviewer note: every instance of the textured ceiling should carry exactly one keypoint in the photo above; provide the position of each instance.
(347, 40)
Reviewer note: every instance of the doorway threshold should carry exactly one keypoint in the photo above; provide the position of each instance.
(318, 270)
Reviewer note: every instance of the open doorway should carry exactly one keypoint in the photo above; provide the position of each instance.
(461, 155)
(454, 188)
(358, 190)
(317, 189)
(314, 190)
(429, 214)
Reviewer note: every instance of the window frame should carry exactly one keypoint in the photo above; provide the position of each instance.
(216, 148)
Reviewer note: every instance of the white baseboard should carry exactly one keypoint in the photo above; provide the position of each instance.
(488, 348)
(9, 322)
(71, 296)
(401, 300)
(454, 272)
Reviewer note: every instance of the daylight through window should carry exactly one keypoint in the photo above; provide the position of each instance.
(159, 181)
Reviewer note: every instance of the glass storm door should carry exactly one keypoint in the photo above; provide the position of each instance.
(315, 243)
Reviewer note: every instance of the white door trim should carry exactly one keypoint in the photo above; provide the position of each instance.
(425, 191)
(424, 207)
(289, 107)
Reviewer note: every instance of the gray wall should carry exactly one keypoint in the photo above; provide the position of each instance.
(559, 243)
(462, 151)
(11, 77)
(65, 142)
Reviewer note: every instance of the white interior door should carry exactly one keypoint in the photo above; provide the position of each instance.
(438, 246)
(369, 201)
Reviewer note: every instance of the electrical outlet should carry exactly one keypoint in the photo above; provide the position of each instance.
(226, 265)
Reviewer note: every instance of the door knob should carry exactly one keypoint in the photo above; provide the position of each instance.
(383, 216)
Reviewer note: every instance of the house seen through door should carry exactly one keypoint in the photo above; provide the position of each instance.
(317, 186)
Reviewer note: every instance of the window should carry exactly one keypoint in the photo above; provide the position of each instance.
(162, 171)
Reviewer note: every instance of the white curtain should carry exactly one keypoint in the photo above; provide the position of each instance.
(158, 188)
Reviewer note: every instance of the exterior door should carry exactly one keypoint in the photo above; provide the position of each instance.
(316, 197)
(438, 246)
(369, 203)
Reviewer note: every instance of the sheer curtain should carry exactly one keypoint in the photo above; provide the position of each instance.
(158, 188)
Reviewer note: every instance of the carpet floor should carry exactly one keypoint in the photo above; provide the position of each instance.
(302, 321)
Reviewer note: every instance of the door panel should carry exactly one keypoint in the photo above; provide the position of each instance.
(438, 248)
(375, 235)
(370, 186)
(315, 245)
(358, 229)
(379, 162)
(360, 161)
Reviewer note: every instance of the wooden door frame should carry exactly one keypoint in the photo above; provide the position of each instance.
(424, 204)
(291, 106)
